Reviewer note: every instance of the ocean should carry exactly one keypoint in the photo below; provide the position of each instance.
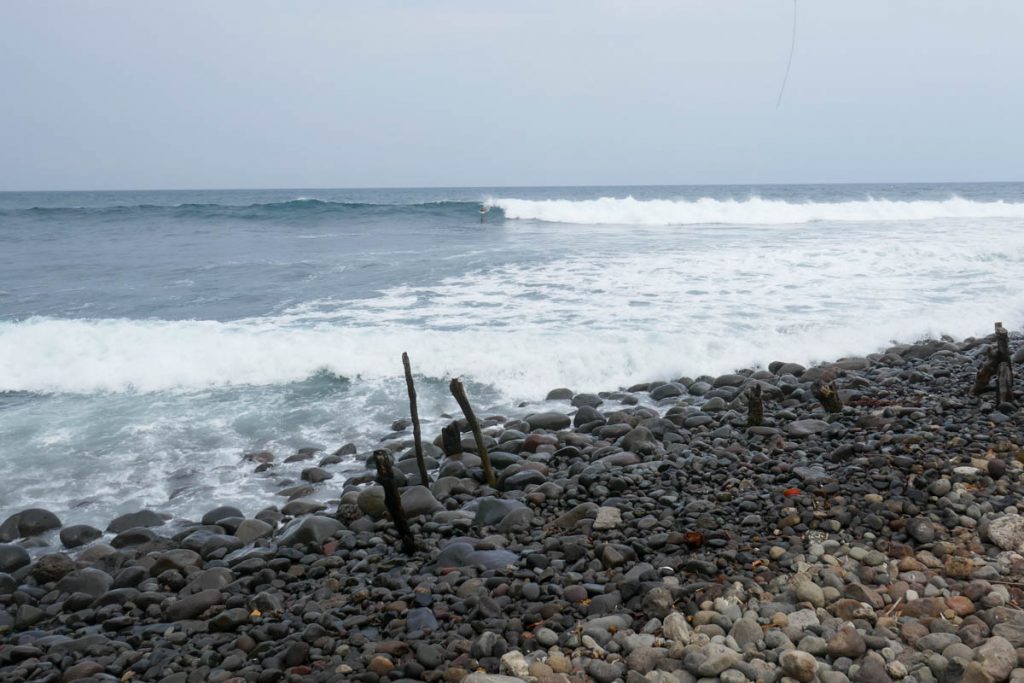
(149, 339)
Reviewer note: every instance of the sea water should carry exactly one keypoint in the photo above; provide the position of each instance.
(149, 339)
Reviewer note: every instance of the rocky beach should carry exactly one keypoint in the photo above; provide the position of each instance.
(649, 534)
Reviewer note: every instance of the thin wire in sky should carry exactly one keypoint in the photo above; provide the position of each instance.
(789, 63)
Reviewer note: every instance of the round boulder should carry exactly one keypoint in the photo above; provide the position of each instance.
(78, 534)
(550, 421)
(28, 523)
(219, 513)
(12, 557)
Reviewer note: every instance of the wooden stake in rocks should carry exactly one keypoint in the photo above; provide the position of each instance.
(998, 365)
(451, 439)
(828, 395)
(424, 477)
(755, 407)
(393, 500)
(459, 392)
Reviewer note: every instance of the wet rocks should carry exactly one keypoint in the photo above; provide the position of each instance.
(660, 541)
(28, 523)
(550, 421)
(131, 520)
(78, 534)
(13, 558)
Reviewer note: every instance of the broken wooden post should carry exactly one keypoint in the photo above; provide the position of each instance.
(998, 364)
(1004, 373)
(755, 406)
(828, 395)
(451, 439)
(417, 442)
(393, 500)
(459, 392)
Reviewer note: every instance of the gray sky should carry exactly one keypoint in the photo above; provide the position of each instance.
(138, 94)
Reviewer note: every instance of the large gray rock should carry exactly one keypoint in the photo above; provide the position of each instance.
(310, 529)
(142, 518)
(571, 518)
(550, 421)
(668, 390)
(52, 567)
(210, 544)
(586, 415)
(806, 427)
(1007, 532)
(460, 554)
(492, 510)
(90, 581)
(371, 502)
(717, 658)
(676, 628)
(28, 523)
(78, 534)
(179, 559)
(995, 659)
(640, 440)
(315, 475)
(518, 481)
(13, 557)
(418, 501)
(193, 605)
(591, 400)
(251, 529)
(300, 506)
(799, 666)
(219, 513)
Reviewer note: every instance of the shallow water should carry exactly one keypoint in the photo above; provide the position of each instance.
(148, 339)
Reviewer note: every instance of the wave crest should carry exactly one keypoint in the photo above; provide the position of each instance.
(753, 211)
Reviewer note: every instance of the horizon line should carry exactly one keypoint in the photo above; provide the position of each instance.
(512, 187)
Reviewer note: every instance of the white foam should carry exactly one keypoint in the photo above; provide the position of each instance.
(607, 312)
(752, 211)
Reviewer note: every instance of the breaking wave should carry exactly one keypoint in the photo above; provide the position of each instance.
(752, 211)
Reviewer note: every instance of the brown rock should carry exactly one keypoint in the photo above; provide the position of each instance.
(909, 564)
(859, 591)
(849, 609)
(847, 643)
(912, 630)
(381, 665)
(961, 605)
(924, 607)
(959, 567)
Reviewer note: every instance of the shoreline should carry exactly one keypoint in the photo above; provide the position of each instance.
(622, 543)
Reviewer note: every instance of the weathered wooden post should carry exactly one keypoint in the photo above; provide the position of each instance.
(998, 364)
(828, 395)
(393, 500)
(459, 392)
(1004, 375)
(451, 439)
(414, 412)
(755, 406)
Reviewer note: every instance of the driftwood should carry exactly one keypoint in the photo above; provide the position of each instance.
(393, 500)
(424, 477)
(998, 364)
(755, 407)
(451, 439)
(828, 395)
(459, 392)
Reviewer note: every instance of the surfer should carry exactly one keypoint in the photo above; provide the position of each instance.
(483, 211)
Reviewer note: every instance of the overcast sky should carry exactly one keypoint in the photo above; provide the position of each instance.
(136, 94)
